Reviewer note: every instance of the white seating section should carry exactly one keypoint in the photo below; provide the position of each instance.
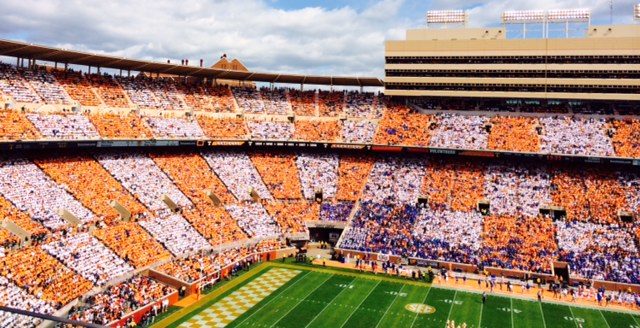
(174, 128)
(318, 172)
(15, 297)
(460, 131)
(267, 130)
(575, 136)
(237, 172)
(32, 191)
(70, 127)
(512, 190)
(395, 181)
(144, 179)
(254, 220)
(358, 131)
(177, 235)
(89, 257)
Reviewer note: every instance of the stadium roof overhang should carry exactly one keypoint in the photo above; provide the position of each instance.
(45, 53)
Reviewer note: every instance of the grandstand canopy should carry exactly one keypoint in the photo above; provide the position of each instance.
(45, 53)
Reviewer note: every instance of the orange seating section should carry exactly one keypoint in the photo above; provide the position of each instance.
(279, 173)
(16, 126)
(514, 134)
(353, 173)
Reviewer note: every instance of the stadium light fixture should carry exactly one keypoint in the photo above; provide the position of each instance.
(446, 17)
(636, 12)
(569, 15)
(523, 16)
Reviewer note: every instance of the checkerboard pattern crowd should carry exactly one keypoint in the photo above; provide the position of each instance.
(231, 307)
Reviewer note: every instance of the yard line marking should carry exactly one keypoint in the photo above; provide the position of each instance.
(301, 300)
(632, 317)
(423, 301)
(575, 320)
(453, 302)
(273, 299)
(390, 304)
(544, 322)
(356, 308)
(605, 319)
(329, 303)
(511, 301)
(480, 320)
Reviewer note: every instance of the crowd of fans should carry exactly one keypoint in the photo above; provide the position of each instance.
(358, 131)
(447, 235)
(14, 85)
(115, 126)
(517, 189)
(91, 184)
(402, 126)
(626, 140)
(254, 220)
(292, 215)
(514, 133)
(395, 181)
(77, 87)
(238, 174)
(444, 180)
(89, 257)
(575, 136)
(589, 195)
(43, 276)
(318, 173)
(523, 242)
(223, 128)
(362, 105)
(118, 300)
(144, 179)
(176, 234)
(460, 131)
(275, 101)
(303, 103)
(353, 172)
(317, 130)
(64, 126)
(32, 191)
(172, 127)
(338, 212)
(279, 174)
(605, 252)
(15, 297)
(46, 86)
(270, 130)
(15, 126)
(132, 243)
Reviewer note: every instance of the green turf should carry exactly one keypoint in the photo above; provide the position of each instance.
(466, 308)
(496, 312)
(557, 316)
(526, 314)
(620, 320)
(341, 299)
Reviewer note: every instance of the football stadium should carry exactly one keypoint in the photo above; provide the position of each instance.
(490, 178)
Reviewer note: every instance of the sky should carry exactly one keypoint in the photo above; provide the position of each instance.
(336, 37)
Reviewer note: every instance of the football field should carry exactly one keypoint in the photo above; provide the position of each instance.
(292, 296)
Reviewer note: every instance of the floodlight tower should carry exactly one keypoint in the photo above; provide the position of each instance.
(567, 16)
(524, 17)
(636, 13)
(446, 17)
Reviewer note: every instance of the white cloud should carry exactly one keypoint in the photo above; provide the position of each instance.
(339, 41)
